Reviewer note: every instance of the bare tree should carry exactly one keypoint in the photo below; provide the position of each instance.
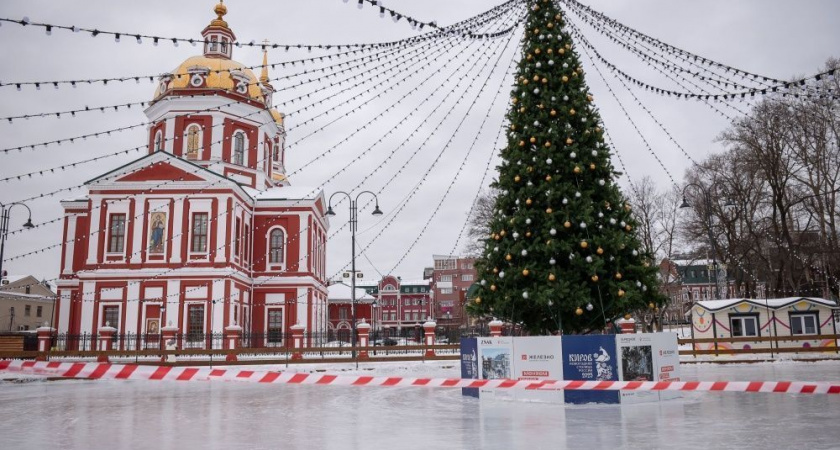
(478, 228)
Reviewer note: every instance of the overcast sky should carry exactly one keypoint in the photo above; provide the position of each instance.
(776, 38)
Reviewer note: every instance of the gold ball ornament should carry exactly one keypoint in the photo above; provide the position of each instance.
(514, 100)
(589, 99)
(572, 112)
(557, 17)
(627, 207)
(503, 232)
(522, 109)
(553, 112)
(646, 264)
(584, 244)
(530, 169)
(618, 275)
(621, 292)
(493, 287)
(547, 144)
(579, 311)
(567, 224)
(545, 80)
(550, 51)
(495, 270)
(569, 141)
(568, 46)
(549, 210)
(628, 227)
(561, 51)
(508, 257)
(525, 81)
(577, 169)
(651, 305)
(516, 178)
(525, 272)
(536, 78)
(551, 277)
(548, 178)
(550, 25)
(592, 166)
(521, 143)
(528, 234)
(478, 300)
(528, 201)
(528, 57)
(595, 278)
(600, 251)
(565, 79)
(537, 51)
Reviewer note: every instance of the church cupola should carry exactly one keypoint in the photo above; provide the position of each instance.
(218, 37)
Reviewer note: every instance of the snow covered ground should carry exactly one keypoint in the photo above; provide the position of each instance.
(208, 415)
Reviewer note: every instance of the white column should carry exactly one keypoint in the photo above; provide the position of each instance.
(139, 220)
(217, 293)
(172, 303)
(70, 247)
(170, 136)
(93, 242)
(303, 220)
(221, 230)
(64, 311)
(88, 291)
(302, 305)
(177, 232)
(132, 307)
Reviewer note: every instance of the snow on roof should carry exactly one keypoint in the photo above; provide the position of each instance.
(23, 295)
(341, 292)
(284, 193)
(694, 262)
(775, 303)
(415, 282)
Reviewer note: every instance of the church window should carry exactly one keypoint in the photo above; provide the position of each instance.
(199, 233)
(238, 148)
(213, 41)
(236, 231)
(116, 240)
(195, 323)
(276, 244)
(111, 316)
(275, 325)
(224, 45)
(276, 153)
(158, 141)
(193, 138)
(196, 80)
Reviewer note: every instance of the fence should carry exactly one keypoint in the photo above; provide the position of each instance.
(823, 343)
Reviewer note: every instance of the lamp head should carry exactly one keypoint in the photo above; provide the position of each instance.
(28, 224)
(685, 204)
(377, 211)
(330, 211)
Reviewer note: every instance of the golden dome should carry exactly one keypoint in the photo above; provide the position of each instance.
(278, 116)
(219, 77)
(220, 11)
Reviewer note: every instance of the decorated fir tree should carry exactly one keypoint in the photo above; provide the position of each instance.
(562, 253)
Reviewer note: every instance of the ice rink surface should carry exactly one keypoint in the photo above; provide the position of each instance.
(225, 415)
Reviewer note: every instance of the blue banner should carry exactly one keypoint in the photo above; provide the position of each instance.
(590, 358)
(469, 364)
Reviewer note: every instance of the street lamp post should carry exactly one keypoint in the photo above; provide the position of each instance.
(4, 227)
(707, 203)
(354, 223)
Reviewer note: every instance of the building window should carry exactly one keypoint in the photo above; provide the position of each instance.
(803, 324)
(238, 148)
(158, 141)
(276, 243)
(27, 310)
(193, 136)
(195, 323)
(342, 314)
(744, 326)
(276, 153)
(111, 316)
(236, 231)
(224, 45)
(275, 325)
(446, 278)
(116, 240)
(199, 233)
(39, 311)
(446, 290)
(466, 277)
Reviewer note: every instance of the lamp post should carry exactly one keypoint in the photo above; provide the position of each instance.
(4, 227)
(354, 224)
(707, 204)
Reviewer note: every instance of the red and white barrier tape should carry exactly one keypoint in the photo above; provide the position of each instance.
(167, 373)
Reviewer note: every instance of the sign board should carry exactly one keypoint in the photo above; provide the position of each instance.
(589, 358)
(495, 362)
(666, 362)
(538, 358)
(636, 364)
(469, 364)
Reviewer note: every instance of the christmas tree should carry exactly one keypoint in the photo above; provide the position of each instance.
(562, 253)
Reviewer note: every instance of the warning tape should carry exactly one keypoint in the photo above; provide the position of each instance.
(96, 371)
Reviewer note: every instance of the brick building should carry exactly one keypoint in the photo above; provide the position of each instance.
(451, 278)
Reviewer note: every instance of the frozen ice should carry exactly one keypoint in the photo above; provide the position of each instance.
(184, 415)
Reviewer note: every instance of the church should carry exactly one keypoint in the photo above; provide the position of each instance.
(205, 231)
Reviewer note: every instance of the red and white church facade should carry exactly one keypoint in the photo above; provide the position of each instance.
(205, 232)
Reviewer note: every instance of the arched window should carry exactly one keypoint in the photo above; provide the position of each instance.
(276, 246)
(158, 141)
(238, 148)
(193, 137)
(213, 41)
(224, 45)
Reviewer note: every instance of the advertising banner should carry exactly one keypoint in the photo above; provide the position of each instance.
(590, 358)
(495, 361)
(666, 361)
(469, 363)
(538, 358)
(636, 364)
